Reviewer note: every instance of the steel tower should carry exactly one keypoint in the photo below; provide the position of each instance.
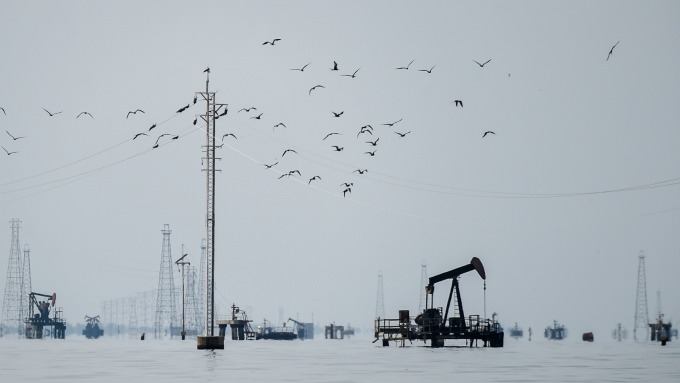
(201, 288)
(641, 313)
(423, 284)
(26, 287)
(380, 299)
(13, 304)
(166, 313)
(193, 314)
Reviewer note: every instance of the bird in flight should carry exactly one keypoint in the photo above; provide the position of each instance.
(458, 103)
(314, 87)
(371, 153)
(81, 113)
(159, 137)
(139, 134)
(271, 42)
(337, 148)
(353, 75)
(284, 175)
(301, 69)
(347, 184)
(206, 70)
(612, 50)
(229, 134)
(259, 116)
(402, 134)
(182, 109)
(337, 114)
(335, 66)
(8, 152)
(51, 114)
(313, 178)
(488, 132)
(360, 171)
(195, 99)
(280, 124)
(3, 110)
(195, 120)
(365, 129)
(373, 143)
(290, 173)
(407, 66)
(482, 65)
(175, 137)
(288, 150)
(329, 134)
(13, 138)
(427, 70)
(131, 112)
(392, 124)
(247, 109)
(344, 192)
(151, 128)
(270, 166)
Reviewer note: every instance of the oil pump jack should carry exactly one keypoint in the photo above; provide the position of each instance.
(435, 325)
(36, 322)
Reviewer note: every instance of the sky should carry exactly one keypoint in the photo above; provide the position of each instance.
(579, 175)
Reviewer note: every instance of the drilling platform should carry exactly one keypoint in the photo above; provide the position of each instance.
(39, 324)
(435, 325)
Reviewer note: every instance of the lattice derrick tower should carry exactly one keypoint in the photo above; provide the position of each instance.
(166, 309)
(641, 312)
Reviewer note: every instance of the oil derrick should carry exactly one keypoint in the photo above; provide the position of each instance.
(26, 287)
(641, 313)
(193, 315)
(13, 304)
(380, 299)
(166, 313)
(423, 284)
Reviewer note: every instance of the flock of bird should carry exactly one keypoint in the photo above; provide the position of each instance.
(367, 129)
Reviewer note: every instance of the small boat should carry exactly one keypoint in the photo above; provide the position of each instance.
(266, 331)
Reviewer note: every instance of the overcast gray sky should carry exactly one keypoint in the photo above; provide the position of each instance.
(545, 203)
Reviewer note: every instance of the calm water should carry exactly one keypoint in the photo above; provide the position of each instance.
(77, 359)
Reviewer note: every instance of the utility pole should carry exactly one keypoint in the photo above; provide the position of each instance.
(209, 341)
(180, 262)
(380, 299)
(641, 313)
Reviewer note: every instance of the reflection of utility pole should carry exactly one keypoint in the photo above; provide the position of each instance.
(178, 263)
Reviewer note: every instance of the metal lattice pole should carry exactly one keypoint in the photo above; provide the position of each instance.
(166, 313)
(201, 289)
(26, 286)
(423, 284)
(380, 299)
(13, 302)
(193, 316)
(641, 312)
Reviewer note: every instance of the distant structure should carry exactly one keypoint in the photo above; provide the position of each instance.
(380, 299)
(132, 320)
(26, 286)
(193, 313)
(202, 288)
(166, 312)
(641, 313)
(557, 332)
(15, 301)
(619, 333)
(423, 284)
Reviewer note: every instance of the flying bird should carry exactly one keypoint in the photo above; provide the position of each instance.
(139, 134)
(88, 113)
(206, 70)
(402, 134)
(129, 113)
(272, 42)
(373, 143)
(195, 120)
(195, 99)
(280, 124)
(337, 114)
(314, 87)
(227, 135)
(407, 66)
(458, 103)
(482, 65)
(347, 184)
(50, 113)
(313, 178)
(182, 109)
(329, 134)
(392, 124)
(284, 175)
(247, 109)
(175, 137)
(295, 171)
(335, 66)
(344, 192)
(367, 127)
(337, 148)
(8, 152)
(488, 132)
(364, 130)
(159, 137)
(257, 117)
(427, 70)
(13, 138)
(360, 171)
(301, 69)
(270, 166)
(288, 150)
(353, 75)
(151, 128)
(371, 153)
(3, 110)
(612, 50)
